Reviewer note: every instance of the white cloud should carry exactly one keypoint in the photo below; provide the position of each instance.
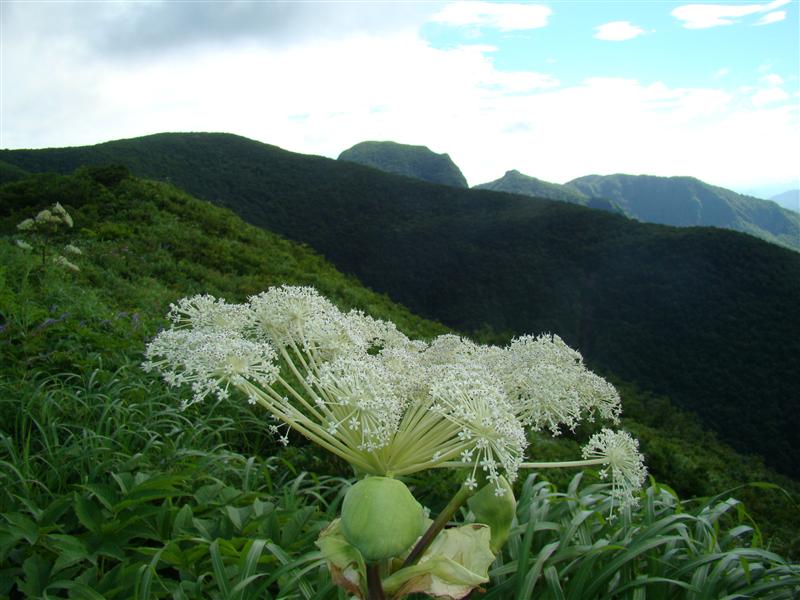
(772, 79)
(323, 96)
(773, 17)
(703, 16)
(723, 72)
(618, 31)
(770, 91)
(505, 17)
(134, 29)
(769, 96)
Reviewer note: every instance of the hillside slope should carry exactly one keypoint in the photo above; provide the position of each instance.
(686, 201)
(159, 243)
(417, 162)
(708, 317)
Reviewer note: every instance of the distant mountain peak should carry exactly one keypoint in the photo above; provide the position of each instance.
(686, 201)
(417, 162)
(515, 182)
(789, 200)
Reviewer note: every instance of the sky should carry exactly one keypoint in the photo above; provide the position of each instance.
(556, 90)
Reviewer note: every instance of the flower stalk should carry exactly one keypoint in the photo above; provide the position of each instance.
(439, 523)
(43, 229)
(374, 585)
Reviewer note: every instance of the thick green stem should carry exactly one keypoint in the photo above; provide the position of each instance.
(374, 586)
(438, 524)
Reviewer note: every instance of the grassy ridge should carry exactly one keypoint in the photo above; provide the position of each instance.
(158, 242)
(706, 317)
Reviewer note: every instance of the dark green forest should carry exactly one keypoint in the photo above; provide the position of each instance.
(704, 316)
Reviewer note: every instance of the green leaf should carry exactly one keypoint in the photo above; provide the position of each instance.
(7, 577)
(345, 562)
(54, 511)
(553, 584)
(88, 513)
(76, 590)
(69, 549)
(106, 494)
(22, 527)
(456, 562)
(182, 523)
(144, 578)
(218, 565)
(294, 526)
(37, 572)
(235, 516)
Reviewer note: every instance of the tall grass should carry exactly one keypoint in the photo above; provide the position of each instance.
(109, 491)
(568, 545)
(107, 488)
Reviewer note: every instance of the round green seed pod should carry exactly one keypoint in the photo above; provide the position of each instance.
(495, 511)
(381, 518)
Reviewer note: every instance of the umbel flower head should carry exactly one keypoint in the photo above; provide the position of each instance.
(389, 405)
(49, 217)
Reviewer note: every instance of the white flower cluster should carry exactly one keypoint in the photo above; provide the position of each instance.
(54, 216)
(387, 404)
(46, 223)
(62, 261)
(620, 455)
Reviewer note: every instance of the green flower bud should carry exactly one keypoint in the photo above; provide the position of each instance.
(496, 511)
(381, 518)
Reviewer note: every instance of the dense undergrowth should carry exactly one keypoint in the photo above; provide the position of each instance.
(108, 490)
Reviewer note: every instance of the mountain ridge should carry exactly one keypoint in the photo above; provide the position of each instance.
(515, 182)
(680, 201)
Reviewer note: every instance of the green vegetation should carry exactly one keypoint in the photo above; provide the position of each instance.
(417, 162)
(10, 172)
(108, 490)
(705, 316)
(686, 201)
(566, 547)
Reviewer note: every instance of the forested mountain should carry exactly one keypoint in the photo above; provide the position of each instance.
(686, 201)
(515, 182)
(402, 159)
(679, 201)
(789, 200)
(708, 317)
